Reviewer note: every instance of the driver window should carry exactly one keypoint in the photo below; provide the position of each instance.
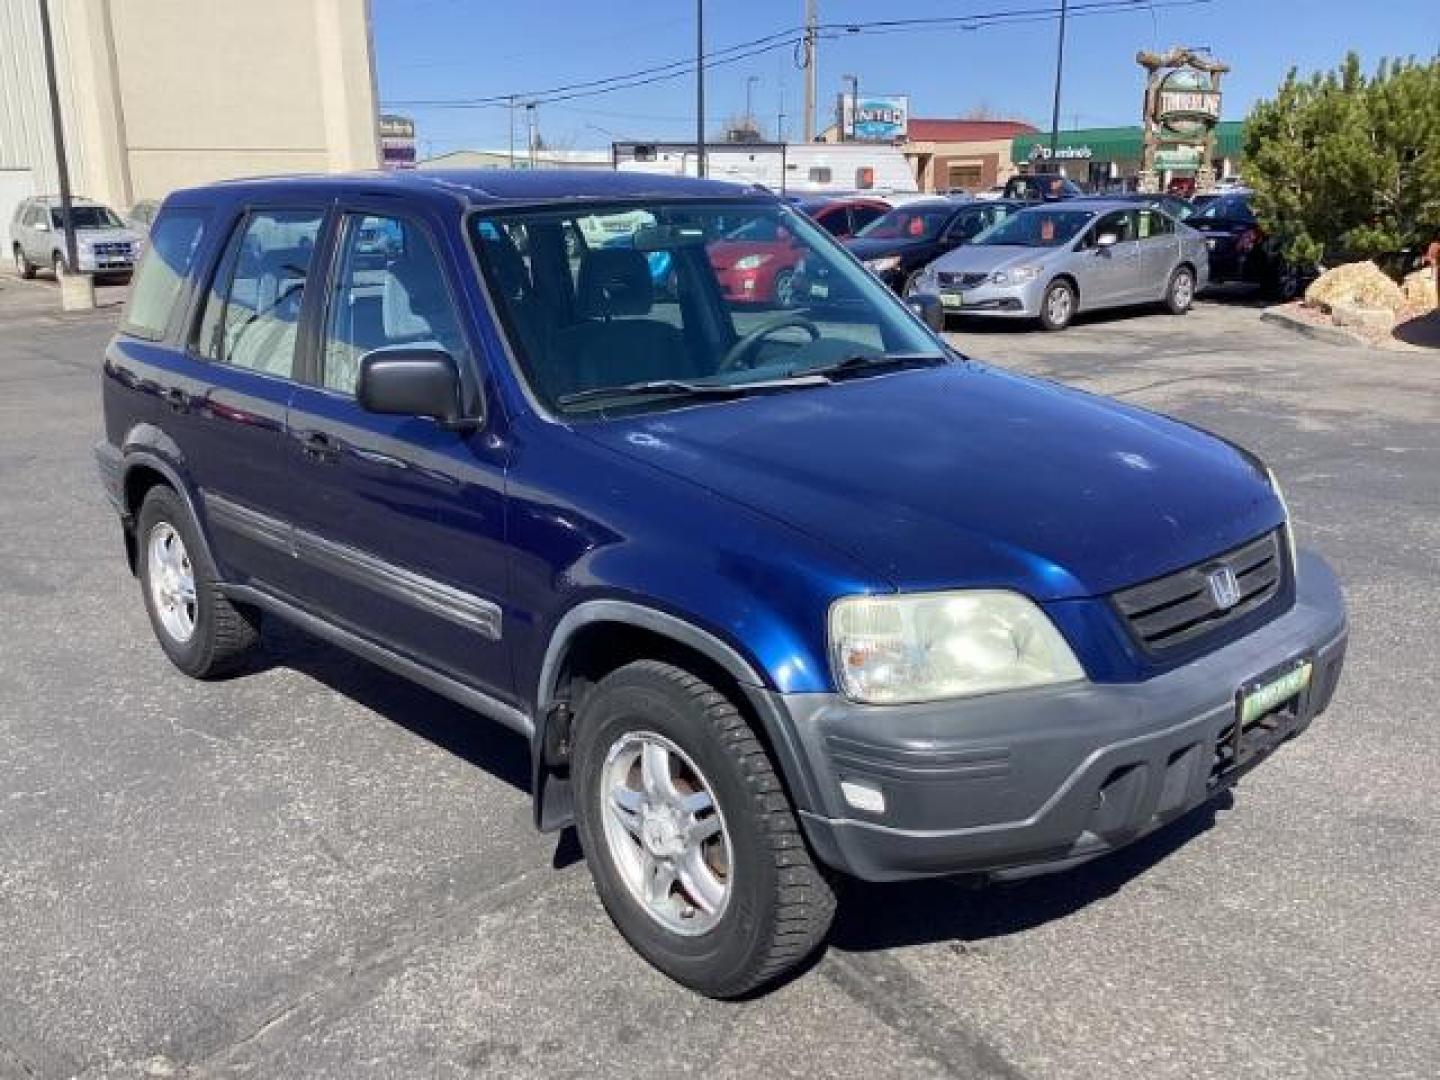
(1117, 222)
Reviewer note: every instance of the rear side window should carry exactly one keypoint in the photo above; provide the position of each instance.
(160, 279)
(252, 312)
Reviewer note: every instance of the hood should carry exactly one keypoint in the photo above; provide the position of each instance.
(866, 247)
(107, 236)
(965, 476)
(726, 253)
(975, 258)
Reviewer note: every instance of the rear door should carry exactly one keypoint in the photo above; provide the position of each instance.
(400, 521)
(245, 348)
(1159, 252)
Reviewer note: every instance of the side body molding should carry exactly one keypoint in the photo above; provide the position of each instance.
(553, 797)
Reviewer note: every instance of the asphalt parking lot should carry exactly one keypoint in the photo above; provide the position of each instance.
(318, 870)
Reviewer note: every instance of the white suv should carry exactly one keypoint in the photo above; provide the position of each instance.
(103, 243)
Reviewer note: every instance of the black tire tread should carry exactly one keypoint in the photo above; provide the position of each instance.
(806, 902)
(232, 631)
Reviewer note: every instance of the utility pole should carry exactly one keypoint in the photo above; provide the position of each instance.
(811, 64)
(532, 134)
(750, 81)
(511, 99)
(1059, 70)
(62, 167)
(854, 81)
(780, 118)
(700, 88)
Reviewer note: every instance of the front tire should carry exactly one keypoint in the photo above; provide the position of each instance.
(1180, 293)
(201, 631)
(784, 289)
(1057, 306)
(58, 267)
(23, 266)
(689, 835)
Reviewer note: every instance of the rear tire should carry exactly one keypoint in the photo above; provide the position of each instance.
(1057, 306)
(1180, 293)
(723, 914)
(23, 266)
(201, 631)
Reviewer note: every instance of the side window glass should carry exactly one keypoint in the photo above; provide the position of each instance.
(834, 223)
(390, 293)
(163, 271)
(860, 216)
(1118, 223)
(252, 312)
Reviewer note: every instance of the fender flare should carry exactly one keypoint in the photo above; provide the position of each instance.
(553, 803)
(151, 453)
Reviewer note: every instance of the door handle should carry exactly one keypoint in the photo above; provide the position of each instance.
(319, 446)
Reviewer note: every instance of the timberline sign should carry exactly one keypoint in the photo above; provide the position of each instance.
(1182, 107)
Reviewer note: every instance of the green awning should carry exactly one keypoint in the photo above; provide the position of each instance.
(1115, 143)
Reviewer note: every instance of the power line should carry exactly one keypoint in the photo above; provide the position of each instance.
(790, 38)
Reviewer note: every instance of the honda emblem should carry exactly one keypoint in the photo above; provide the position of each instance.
(1224, 588)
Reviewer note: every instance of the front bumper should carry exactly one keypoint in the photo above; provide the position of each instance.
(92, 262)
(1031, 781)
(1002, 301)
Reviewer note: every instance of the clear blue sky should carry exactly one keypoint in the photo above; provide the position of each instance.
(448, 49)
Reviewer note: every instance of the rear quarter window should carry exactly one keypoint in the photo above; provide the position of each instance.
(160, 279)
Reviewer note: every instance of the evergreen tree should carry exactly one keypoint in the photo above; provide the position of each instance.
(1346, 166)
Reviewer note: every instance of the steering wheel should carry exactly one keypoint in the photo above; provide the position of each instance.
(738, 355)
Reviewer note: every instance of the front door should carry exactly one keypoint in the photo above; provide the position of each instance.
(401, 523)
(1108, 274)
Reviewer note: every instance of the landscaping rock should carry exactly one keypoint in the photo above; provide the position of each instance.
(1356, 286)
(1363, 318)
(1419, 288)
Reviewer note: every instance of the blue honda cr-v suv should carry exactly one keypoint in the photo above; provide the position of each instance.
(774, 592)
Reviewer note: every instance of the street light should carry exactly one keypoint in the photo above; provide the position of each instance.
(750, 81)
(1059, 68)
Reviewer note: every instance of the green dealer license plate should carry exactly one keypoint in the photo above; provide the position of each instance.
(1257, 700)
(952, 299)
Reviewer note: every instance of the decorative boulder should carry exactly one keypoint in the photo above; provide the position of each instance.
(1355, 285)
(1419, 288)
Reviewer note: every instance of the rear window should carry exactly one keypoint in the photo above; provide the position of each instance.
(160, 278)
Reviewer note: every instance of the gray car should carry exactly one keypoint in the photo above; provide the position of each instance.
(1053, 261)
(103, 243)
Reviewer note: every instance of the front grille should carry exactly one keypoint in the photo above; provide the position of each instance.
(1179, 609)
(951, 280)
(120, 250)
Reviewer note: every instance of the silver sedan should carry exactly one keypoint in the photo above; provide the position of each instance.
(1053, 261)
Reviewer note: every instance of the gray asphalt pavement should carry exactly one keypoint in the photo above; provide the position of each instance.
(318, 870)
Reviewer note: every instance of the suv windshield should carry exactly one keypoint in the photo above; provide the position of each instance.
(908, 223)
(666, 311)
(87, 217)
(1039, 227)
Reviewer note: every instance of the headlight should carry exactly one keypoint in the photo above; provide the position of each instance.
(1018, 275)
(1289, 521)
(751, 262)
(927, 646)
(879, 266)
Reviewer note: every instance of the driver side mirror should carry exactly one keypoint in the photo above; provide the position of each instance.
(411, 382)
(929, 308)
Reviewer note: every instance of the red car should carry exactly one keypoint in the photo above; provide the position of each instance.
(756, 263)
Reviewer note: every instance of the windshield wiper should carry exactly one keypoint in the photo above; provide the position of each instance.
(683, 389)
(860, 362)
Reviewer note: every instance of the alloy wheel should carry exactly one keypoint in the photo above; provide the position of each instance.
(665, 833)
(172, 582)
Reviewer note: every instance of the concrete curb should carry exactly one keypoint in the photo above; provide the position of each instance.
(1331, 335)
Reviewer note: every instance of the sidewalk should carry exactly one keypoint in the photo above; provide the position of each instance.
(39, 299)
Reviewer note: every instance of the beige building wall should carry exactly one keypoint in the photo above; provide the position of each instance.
(988, 161)
(160, 94)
